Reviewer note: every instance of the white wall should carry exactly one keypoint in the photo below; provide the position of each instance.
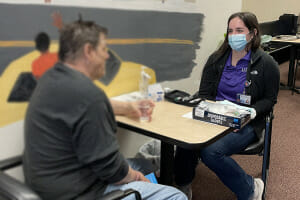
(269, 10)
(11, 144)
(215, 20)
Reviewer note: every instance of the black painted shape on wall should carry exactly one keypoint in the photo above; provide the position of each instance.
(170, 61)
(23, 88)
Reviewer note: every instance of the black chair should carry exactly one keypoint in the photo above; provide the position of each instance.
(13, 189)
(294, 88)
(262, 147)
(120, 194)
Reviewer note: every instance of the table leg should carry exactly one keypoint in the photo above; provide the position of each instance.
(166, 163)
(291, 66)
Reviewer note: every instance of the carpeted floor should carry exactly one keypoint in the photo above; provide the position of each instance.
(284, 174)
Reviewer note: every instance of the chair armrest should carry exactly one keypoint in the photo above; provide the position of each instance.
(10, 162)
(256, 147)
(120, 194)
(12, 189)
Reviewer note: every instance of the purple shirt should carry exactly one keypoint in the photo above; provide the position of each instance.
(233, 78)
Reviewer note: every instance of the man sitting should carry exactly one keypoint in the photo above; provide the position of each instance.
(71, 151)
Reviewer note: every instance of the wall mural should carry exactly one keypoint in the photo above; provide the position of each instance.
(165, 42)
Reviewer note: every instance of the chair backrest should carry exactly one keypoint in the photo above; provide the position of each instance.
(269, 28)
(285, 25)
(288, 24)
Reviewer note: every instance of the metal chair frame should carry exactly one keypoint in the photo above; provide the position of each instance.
(262, 147)
(294, 88)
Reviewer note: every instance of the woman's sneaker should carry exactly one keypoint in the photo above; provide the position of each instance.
(258, 189)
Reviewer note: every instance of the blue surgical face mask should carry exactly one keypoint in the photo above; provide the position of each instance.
(237, 42)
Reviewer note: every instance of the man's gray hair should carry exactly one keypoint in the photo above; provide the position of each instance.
(75, 35)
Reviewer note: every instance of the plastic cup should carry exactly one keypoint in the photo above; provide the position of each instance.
(144, 108)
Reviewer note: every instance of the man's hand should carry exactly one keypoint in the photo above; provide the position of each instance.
(57, 20)
(134, 108)
(133, 175)
(131, 109)
(140, 177)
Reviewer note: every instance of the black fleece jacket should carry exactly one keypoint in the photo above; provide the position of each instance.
(262, 72)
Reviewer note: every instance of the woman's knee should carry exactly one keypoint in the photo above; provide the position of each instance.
(210, 155)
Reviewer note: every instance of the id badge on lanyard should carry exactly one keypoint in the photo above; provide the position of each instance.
(243, 98)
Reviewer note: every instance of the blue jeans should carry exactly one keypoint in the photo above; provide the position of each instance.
(148, 191)
(216, 157)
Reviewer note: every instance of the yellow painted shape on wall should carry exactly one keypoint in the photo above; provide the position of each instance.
(113, 41)
(126, 80)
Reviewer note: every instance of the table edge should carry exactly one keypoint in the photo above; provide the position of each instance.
(172, 141)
